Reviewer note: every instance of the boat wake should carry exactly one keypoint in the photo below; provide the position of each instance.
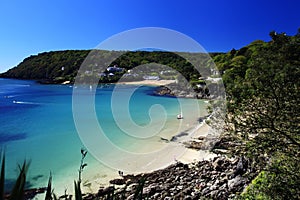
(24, 102)
(22, 85)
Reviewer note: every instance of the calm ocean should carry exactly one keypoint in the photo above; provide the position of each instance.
(37, 125)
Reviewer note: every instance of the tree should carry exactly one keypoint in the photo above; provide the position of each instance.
(264, 112)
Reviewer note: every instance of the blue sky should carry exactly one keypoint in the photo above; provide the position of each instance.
(34, 26)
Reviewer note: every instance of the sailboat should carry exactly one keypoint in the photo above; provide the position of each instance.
(180, 116)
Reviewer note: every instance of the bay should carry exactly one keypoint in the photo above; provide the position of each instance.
(37, 125)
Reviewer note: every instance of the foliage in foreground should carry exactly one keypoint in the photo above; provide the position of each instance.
(279, 181)
(18, 189)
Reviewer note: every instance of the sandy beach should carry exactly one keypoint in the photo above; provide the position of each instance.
(148, 82)
(192, 155)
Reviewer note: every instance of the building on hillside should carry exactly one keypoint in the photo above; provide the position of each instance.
(114, 69)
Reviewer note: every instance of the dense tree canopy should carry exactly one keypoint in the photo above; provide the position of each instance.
(63, 65)
(48, 65)
(263, 90)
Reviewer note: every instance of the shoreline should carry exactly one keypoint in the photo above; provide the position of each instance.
(142, 82)
(97, 178)
(188, 156)
(147, 82)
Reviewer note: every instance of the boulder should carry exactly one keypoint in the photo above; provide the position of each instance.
(235, 183)
(119, 181)
(241, 167)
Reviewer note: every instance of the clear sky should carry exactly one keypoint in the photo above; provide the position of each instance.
(33, 26)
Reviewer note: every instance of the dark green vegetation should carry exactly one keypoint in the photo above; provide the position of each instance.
(263, 92)
(48, 65)
(60, 66)
(262, 86)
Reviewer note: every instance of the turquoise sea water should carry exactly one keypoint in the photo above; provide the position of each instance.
(37, 125)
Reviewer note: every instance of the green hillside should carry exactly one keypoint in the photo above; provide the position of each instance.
(48, 65)
(60, 66)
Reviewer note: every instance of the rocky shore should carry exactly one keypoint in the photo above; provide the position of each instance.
(181, 92)
(218, 178)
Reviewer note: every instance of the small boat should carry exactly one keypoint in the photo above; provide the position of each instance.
(180, 116)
